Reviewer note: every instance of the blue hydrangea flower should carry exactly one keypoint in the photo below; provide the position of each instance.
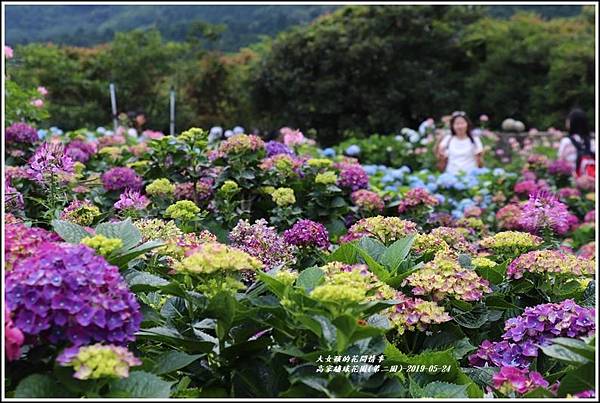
(328, 152)
(353, 150)
(370, 169)
(498, 171)
(42, 133)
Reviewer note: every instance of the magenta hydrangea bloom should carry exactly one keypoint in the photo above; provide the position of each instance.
(121, 178)
(416, 198)
(131, 199)
(67, 293)
(22, 241)
(262, 242)
(587, 251)
(50, 159)
(80, 150)
(590, 216)
(560, 167)
(307, 233)
(511, 379)
(21, 133)
(567, 193)
(367, 201)
(353, 177)
(13, 337)
(586, 183)
(542, 212)
(586, 394)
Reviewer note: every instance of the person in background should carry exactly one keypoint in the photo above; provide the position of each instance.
(140, 121)
(460, 150)
(578, 148)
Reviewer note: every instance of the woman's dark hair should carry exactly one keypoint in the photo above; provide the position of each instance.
(463, 115)
(578, 124)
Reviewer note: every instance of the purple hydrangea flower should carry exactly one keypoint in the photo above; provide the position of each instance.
(275, 148)
(22, 241)
(80, 150)
(131, 199)
(121, 178)
(50, 159)
(536, 326)
(543, 211)
(353, 177)
(307, 233)
(416, 199)
(67, 293)
(21, 133)
(262, 242)
(560, 167)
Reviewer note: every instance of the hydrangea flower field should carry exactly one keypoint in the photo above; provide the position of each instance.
(143, 265)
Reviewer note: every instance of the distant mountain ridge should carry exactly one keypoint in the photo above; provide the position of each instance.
(87, 25)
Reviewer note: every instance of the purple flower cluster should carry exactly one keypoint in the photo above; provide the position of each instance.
(415, 199)
(121, 178)
(131, 199)
(262, 242)
(587, 251)
(80, 150)
(204, 190)
(441, 219)
(353, 177)
(307, 233)
(560, 167)
(542, 212)
(586, 183)
(22, 241)
(50, 159)
(568, 193)
(537, 162)
(529, 186)
(21, 133)
(367, 201)
(511, 379)
(275, 148)
(536, 326)
(67, 293)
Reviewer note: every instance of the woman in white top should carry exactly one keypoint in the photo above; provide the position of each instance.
(462, 151)
(579, 137)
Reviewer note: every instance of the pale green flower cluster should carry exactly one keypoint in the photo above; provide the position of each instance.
(326, 178)
(158, 229)
(512, 243)
(103, 245)
(319, 163)
(160, 187)
(283, 196)
(214, 257)
(99, 361)
(185, 210)
(229, 187)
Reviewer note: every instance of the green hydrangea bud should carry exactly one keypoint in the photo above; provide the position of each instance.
(98, 361)
(326, 178)
(229, 188)
(483, 263)
(103, 245)
(214, 257)
(78, 167)
(283, 196)
(185, 210)
(287, 277)
(160, 187)
(319, 163)
(343, 294)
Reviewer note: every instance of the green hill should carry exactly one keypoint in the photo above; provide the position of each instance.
(86, 25)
